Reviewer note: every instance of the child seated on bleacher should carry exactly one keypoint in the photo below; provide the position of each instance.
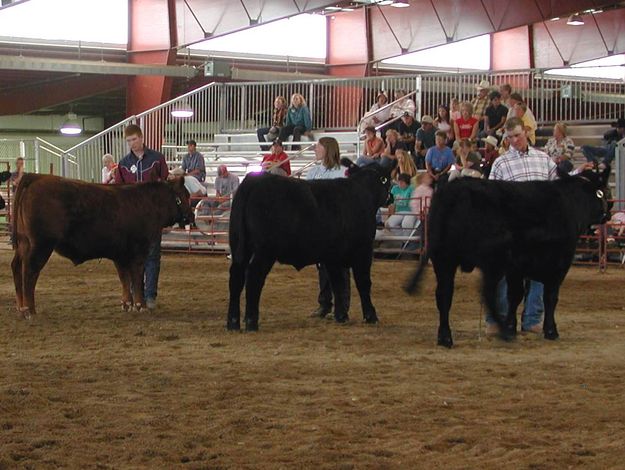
(400, 215)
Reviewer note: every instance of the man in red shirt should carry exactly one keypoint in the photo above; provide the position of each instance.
(277, 155)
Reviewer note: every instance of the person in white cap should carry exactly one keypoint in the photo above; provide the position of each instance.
(489, 154)
(426, 138)
(480, 102)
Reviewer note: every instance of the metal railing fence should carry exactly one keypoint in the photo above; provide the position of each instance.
(340, 103)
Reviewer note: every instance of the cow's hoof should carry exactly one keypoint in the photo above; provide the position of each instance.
(371, 320)
(139, 307)
(251, 326)
(233, 325)
(445, 341)
(24, 313)
(552, 335)
(126, 306)
(341, 319)
(507, 336)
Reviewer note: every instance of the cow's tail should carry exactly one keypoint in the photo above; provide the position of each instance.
(23, 185)
(237, 230)
(413, 284)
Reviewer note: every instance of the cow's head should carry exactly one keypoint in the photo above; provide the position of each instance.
(599, 181)
(184, 214)
(377, 177)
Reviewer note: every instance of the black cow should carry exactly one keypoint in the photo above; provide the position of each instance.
(520, 230)
(4, 176)
(275, 218)
(84, 221)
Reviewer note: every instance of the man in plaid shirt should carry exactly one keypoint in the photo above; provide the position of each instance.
(521, 163)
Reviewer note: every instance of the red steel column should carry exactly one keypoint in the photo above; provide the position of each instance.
(511, 50)
(152, 38)
(348, 55)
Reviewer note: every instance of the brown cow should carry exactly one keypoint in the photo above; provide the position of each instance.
(83, 221)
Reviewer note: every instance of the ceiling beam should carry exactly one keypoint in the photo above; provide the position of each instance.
(93, 67)
(31, 99)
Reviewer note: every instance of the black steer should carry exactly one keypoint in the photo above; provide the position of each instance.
(520, 230)
(4, 176)
(275, 218)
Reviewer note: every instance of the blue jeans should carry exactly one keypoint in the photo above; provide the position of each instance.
(593, 154)
(533, 308)
(152, 269)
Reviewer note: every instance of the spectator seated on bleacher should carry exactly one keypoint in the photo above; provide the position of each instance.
(195, 188)
(442, 122)
(560, 148)
(393, 143)
(298, 121)
(529, 123)
(495, 115)
(607, 151)
(108, 170)
(399, 212)
(374, 118)
(466, 126)
(373, 146)
(424, 140)
(468, 163)
(440, 158)
(407, 129)
(271, 161)
(480, 102)
(405, 165)
(489, 153)
(277, 122)
(193, 163)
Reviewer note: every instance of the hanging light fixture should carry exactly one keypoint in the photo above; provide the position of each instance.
(71, 126)
(400, 4)
(182, 110)
(575, 20)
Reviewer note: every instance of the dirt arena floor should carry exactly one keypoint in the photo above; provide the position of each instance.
(84, 385)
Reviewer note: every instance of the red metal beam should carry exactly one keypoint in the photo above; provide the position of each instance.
(30, 99)
(152, 39)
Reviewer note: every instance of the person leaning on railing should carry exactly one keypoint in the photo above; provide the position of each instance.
(298, 121)
(277, 122)
(375, 117)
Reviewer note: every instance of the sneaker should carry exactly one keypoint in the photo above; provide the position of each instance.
(150, 304)
(538, 329)
(321, 312)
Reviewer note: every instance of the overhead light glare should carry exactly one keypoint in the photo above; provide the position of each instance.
(575, 20)
(555, 19)
(400, 4)
(71, 126)
(182, 110)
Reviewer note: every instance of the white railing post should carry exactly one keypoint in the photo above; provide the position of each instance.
(37, 161)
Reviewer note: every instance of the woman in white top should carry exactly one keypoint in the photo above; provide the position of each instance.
(443, 123)
(373, 118)
(329, 157)
(108, 170)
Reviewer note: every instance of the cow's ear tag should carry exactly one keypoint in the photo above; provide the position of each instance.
(384, 180)
(599, 194)
(178, 201)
